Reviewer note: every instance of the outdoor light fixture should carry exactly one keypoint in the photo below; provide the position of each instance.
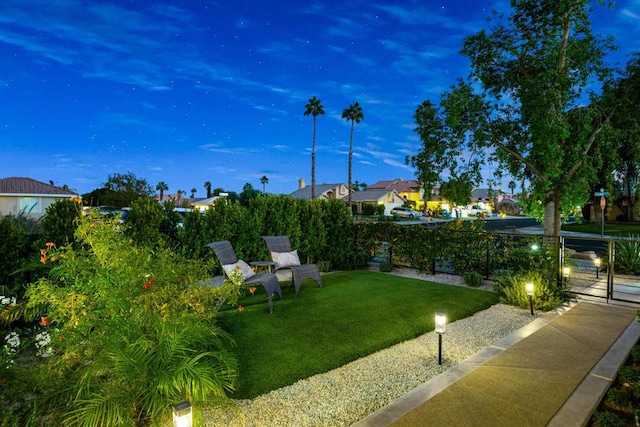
(529, 290)
(597, 262)
(566, 271)
(182, 415)
(441, 322)
(534, 247)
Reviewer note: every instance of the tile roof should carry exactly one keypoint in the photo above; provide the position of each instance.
(305, 193)
(16, 185)
(370, 195)
(400, 185)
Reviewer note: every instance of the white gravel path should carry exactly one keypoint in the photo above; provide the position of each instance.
(347, 394)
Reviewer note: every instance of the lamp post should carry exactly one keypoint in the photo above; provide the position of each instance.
(529, 290)
(441, 321)
(182, 415)
(597, 262)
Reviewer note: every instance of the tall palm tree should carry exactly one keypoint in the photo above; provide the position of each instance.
(354, 115)
(264, 181)
(193, 192)
(512, 186)
(207, 186)
(162, 187)
(314, 108)
(179, 194)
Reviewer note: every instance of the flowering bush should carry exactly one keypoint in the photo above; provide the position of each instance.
(129, 331)
(43, 344)
(9, 350)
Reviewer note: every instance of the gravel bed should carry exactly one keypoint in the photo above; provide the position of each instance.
(349, 393)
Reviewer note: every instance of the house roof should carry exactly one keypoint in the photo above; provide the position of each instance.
(17, 185)
(399, 184)
(482, 194)
(305, 193)
(371, 195)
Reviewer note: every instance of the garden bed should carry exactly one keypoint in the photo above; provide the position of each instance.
(621, 404)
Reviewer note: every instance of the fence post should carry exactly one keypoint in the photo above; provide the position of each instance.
(560, 260)
(486, 266)
(611, 256)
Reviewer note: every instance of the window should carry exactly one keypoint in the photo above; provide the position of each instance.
(29, 204)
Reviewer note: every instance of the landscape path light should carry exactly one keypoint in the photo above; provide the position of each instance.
(565, 274)
(529, 290)
(441, 322)
(597, 262)
(182, 415)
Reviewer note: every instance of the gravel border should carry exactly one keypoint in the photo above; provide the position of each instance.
(349, 393)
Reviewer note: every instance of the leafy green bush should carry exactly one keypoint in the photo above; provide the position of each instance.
(127, 331)
(386, 267)
(59, 223)
(15, 251)
(369, 209)
(511, 290)
(608, 419)
(144, 221)
(630, 374)
(467, 247)
(473, 279)
(617, 397)
(324, 266)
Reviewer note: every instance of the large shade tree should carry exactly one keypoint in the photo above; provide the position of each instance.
(525, 105)
(122, 189)
(621, 171)
(315, 109)
(354, 115)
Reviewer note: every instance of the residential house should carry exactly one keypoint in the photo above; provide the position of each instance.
(389, 198)
(494, 200)
(204, 204)
(322, 191)
(413, 193)
(28, 196)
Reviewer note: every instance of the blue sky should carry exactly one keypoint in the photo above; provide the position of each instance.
(191, 91)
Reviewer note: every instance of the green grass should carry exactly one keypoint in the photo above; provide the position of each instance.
(610, 229)
(355, 314)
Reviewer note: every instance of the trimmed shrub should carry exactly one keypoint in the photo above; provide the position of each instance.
(511, 290)
(473, 279)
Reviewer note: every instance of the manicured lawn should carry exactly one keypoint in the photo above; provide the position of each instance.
(611, 229)
(355, 314)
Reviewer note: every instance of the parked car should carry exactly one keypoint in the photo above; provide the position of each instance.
(405, 212)
(478, 211)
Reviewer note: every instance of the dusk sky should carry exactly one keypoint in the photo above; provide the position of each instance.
(191, 91)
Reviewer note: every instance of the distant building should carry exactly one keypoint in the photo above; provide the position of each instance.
(322, 191)
(28, 196)
(388, 198)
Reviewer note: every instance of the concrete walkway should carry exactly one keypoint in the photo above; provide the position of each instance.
(485, 387)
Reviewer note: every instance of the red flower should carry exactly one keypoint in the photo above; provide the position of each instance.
(148, 284)
(44, 321)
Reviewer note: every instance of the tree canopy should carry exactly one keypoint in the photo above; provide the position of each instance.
(527, 105)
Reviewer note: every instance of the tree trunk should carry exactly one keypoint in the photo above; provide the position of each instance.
(313, 161)
(552, 223)
(552, 229)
